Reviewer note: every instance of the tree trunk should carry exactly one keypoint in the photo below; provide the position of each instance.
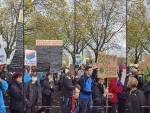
(96, 56)
(136, 60)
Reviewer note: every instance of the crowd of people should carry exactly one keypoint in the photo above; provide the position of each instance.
(83, 91)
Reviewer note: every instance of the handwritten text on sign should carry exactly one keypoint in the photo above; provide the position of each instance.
(107, 65)
(49, 43)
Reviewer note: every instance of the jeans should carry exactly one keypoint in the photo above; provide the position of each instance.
(86, 105)
(67, 105)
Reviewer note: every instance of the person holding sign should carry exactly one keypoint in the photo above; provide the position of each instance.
(32, 94)
(99, 96)
(115, 90)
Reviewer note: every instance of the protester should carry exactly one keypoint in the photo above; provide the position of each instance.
(146, 90)
(16, 94)
(48, 92)
(32, 95)
(99, 96)
(67, 93)
(122, 96)
(86, 84)
(76, 98)
(114, 89)
(136, 100)
(3, 87)
(80, 71)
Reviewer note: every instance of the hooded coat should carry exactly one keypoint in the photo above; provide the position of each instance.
(114, 89)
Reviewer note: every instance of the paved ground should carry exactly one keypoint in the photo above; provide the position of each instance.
(55, 108)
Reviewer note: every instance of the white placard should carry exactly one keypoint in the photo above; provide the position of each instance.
(30, 58)
(123, 77)
(3, 56)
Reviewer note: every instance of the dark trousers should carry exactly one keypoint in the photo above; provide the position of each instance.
(113, 108)
(32, 109)
(46, 102)
(121, 105)
(14, 111)
(86, 105)
(67, 104)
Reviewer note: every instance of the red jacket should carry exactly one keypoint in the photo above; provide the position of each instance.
(114, 89)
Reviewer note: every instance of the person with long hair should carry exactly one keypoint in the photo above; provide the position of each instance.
(99, 96)
(136, 100)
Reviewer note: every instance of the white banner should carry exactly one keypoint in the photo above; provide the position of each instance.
(30, 57)
(123, 77)
(3, 56)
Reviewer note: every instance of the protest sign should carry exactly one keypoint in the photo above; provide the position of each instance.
(123, 77)
(107, 65)
(20, 16)
(30, 57)
(3, 57)
(78, 59)
(72, 69)
(17, 63)
(142, 66)
(49, 55)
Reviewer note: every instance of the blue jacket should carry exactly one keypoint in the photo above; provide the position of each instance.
(3, 87)
(86, 84)
(27, 78)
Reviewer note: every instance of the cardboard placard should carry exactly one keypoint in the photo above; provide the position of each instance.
(72, 68)
(20, 16)
(107, 65)
(142, 66)
(49, 42)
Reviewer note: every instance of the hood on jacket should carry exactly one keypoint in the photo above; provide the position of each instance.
(113, 79)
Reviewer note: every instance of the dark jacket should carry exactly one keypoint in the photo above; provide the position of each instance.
(146, 89)
(135, 102)
(46, 87)
(16, 96)
(28, 94)
(98, 98)
(68, 87)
